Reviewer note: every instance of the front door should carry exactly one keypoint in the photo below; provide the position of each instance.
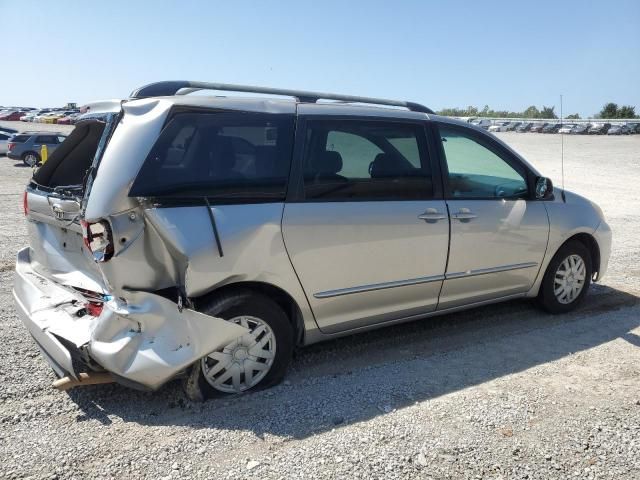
(499, 232)
(368, 232)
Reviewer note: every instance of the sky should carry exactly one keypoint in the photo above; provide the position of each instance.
(507, 54)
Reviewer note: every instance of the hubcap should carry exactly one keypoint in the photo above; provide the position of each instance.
(569, 279)
(244, 362)
(31, 160)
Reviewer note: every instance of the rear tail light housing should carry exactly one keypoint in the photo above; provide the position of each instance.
(98, 239)
(11, 146)
(94, 308)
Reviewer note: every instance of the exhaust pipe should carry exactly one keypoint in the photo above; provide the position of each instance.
(92, 378)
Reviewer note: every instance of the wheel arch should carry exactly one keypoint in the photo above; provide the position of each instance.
(276, 294)
(591, 243)
(586, 239)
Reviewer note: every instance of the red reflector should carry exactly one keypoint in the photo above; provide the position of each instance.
(25, 204)
(94, 309)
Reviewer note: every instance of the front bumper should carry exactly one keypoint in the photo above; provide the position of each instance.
(142, 339)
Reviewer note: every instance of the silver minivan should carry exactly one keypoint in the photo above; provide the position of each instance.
(175, 235)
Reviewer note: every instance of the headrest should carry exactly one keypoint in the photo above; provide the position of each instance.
(329, 162)
(385, 165)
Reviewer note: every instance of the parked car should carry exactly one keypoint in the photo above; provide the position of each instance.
(28, 117)
(511, 127)
(580, 129)
(634, 127)
(69, 119)
(55, 116)
(499, 127)
(484, 123)
(537, 127)
(599, 128)
(27, 146)
(524, 127)
(12, 116)
(566, 128)
(551, 128)
(4, 142)
(619, 129)
(210, 236)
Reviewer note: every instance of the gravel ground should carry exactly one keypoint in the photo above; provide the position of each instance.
(504, 391)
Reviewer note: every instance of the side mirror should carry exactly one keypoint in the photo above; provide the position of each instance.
(544, 188)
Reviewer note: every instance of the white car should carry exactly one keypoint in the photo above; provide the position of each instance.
(28, 117)
(4, 140)
(499, 127)
(481, 122)
(567, 127)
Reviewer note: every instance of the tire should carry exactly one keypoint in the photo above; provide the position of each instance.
(561, 280)
(206, 378)
(29, 157)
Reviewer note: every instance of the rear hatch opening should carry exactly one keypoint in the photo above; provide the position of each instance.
(53, 203)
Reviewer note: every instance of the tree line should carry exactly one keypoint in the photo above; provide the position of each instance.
(610, 110)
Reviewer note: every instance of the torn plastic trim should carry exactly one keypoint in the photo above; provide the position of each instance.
(147, 340)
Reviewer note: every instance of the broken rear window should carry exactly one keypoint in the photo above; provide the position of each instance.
(227, 156)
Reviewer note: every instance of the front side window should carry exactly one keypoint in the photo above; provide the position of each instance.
(225, 156)
(365, 160)
(476, 170)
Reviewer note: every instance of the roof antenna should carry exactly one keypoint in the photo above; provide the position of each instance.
(562, 150)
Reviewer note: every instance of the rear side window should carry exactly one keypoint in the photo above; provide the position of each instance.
(48, 139)
(225, 156)
(354, 160)
(21, 138)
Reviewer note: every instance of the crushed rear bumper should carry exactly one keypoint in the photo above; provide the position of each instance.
(142, 339)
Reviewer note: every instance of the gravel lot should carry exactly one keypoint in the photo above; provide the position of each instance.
(499, 392)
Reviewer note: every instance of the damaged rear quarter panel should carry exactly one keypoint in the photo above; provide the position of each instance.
(252, 244)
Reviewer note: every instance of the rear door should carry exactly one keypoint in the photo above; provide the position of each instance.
(366, 227)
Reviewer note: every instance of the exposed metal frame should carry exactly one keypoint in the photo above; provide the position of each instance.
(184, 87)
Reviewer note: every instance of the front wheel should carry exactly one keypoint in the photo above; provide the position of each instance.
(567, 278)
(253, 361)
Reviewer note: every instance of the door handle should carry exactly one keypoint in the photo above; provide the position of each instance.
(432, 215)
(464, 214)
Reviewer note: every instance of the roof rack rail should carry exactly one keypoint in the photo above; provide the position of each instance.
(183, 87)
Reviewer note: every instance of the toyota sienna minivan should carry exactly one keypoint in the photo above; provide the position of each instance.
(208, 237)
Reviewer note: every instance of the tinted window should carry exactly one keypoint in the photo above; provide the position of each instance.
(48, 139)
(476, 170)
(3, 136)
(360, 160)
(21, 138)
(229, 156)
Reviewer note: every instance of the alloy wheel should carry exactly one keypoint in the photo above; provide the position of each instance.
(569, 279)
(243, 363)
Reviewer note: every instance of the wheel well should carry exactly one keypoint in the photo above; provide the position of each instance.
(591, 244)
(276, 294)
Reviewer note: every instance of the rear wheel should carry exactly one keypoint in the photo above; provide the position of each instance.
(567, 278)
(253, 361)
(31, 159)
